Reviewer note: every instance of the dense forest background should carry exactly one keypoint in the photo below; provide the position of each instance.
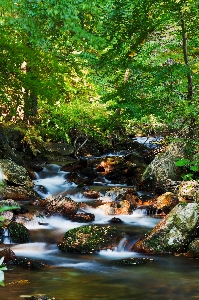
(100, 68)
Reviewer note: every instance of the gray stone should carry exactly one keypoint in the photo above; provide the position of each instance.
(163, 166)
(174, 233)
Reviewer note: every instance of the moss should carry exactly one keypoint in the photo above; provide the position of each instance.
(87, 239)
(18, 233)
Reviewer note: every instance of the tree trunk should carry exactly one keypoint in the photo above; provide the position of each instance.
(186, 61)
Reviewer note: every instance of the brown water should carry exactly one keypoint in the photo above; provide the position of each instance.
(95, 277)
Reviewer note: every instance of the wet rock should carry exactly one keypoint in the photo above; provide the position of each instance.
(133, 199)
(88, 239)
(163, 167)
(8, 255)
(116, 168)
(166, 202)
(28, 263)
(189, 191)
(83, 218)
(19, 193)
(116, 208)
(133, 261)
(18, 233)
(115, 220)
(91, 194)
(60, 206)
(15, 174)
(174, 233)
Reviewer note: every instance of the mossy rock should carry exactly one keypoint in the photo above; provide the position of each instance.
(174, 233)
(18, 233)
(88, 239)
(28, 263)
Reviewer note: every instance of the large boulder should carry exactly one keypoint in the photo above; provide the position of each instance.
(88, 239)
(163, 166)
(174, 233)
(15, 174)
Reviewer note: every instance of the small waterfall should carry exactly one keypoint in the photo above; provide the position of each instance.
(7, 238)
(122, 244)
(51, 180)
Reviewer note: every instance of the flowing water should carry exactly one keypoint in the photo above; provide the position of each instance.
(94, 277)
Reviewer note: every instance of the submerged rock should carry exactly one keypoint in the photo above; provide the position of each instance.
(88, 239)
(133, 261)
(174, 233)
(28, 263)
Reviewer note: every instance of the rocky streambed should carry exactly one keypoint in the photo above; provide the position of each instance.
(85, 221)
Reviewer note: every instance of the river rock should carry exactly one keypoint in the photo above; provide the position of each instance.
(163, 166)
(116, 208)
(15, 174)
(19, 193)
(18, 233)
(189, 191)
(174, 233)
(166, 202)
(83, 217)
(8, 255)
(88, 239)
(91, 194)
(60, 206)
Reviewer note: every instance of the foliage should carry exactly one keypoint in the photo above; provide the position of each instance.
(95, 66)
(192, 168)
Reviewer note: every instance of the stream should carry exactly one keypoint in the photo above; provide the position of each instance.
(93, 277)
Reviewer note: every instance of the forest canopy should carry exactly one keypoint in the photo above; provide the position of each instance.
(97, 67)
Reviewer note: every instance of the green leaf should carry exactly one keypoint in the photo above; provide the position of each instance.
(194, 168)
(182, 162)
